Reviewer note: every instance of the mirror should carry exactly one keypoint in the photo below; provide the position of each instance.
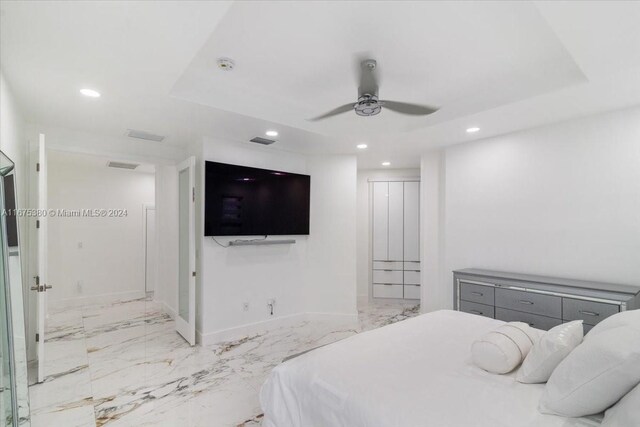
(14, 400)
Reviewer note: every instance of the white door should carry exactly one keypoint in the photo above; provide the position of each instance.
(412, 221)
(40, 285)
(150, 249)
(186, 318)
(396, 221)
(380, 219)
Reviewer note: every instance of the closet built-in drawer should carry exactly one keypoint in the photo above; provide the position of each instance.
(411, 277)
(411, 291)
(476, 293)
(388, 291)
(475, 308)
(412, 265)
(589, 311)
(387, 277)
(544, 305)
(387, 265)
(533, 320)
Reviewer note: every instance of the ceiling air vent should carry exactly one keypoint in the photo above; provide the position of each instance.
(122, 165)
(263, 141)
(140, 134)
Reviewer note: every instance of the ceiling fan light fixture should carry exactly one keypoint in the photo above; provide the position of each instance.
(368, 106)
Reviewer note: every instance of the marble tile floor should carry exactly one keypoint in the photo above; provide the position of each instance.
(124, 365)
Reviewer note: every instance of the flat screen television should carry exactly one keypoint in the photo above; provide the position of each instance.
(244, 201)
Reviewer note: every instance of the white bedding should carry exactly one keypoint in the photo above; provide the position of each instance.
(415, 373)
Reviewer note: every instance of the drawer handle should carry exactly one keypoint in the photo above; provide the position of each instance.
(588, 313)
(387, 270)
(476, 312)
(531, 324)
(524, 301)
(477, 293)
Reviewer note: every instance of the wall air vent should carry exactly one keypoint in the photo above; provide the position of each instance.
(263, 141)
(139, 134)
(122, 165)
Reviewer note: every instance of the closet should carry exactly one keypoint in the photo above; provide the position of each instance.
(395, 239)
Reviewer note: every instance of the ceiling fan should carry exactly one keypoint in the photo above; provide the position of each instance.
(368, 103)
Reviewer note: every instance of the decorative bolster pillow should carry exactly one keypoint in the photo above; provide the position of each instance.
(502, 350)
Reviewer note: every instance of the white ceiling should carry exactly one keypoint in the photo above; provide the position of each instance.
(502, 66)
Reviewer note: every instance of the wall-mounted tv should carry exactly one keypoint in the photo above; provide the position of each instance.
(244, 201)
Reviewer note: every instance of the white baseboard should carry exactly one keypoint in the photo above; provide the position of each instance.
(240, 332)
(95, 300)
(170, 311)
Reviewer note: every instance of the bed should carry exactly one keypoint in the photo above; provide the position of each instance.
(414, 373)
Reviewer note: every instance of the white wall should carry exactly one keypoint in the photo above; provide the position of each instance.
(314, 275)
(364, 226)
(93, 260)
(562, 200)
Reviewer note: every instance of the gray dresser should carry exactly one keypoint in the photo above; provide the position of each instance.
(542, 302)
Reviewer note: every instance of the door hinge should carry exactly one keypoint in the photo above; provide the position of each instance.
(38, 167)
(193, 274)
(37, 337)
(193, 192)
(37, 280)
(37, 223)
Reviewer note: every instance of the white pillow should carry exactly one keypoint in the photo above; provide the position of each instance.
(624, 318)
(595, 375)
(549, 351)
(626, 412)
(502, 350)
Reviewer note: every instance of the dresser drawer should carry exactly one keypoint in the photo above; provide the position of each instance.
(387, 265)
(544, 305)
(411, 291)
(411, 277)
(534, 320)
(475, 308)
(476, 293)
(387, 291)
(589, 311)
(384, 277)
(412, 265)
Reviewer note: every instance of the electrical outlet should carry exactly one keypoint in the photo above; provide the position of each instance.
(245, 306)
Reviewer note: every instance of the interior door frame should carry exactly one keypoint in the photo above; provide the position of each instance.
(42, 273)
(188, 328)
(146, 207)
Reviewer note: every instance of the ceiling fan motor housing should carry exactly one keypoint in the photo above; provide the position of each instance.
(367, 105)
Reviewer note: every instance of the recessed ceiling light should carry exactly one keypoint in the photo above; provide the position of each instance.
(473, 130)
(386, 163)
(90, 93)
(361, 146)
(271, 133)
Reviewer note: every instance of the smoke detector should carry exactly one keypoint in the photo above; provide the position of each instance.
(225, 64)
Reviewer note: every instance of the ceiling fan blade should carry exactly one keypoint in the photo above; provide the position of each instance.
(406, 108)
(342, 109)
(368, 83)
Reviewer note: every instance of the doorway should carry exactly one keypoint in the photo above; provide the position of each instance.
(150, 250)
